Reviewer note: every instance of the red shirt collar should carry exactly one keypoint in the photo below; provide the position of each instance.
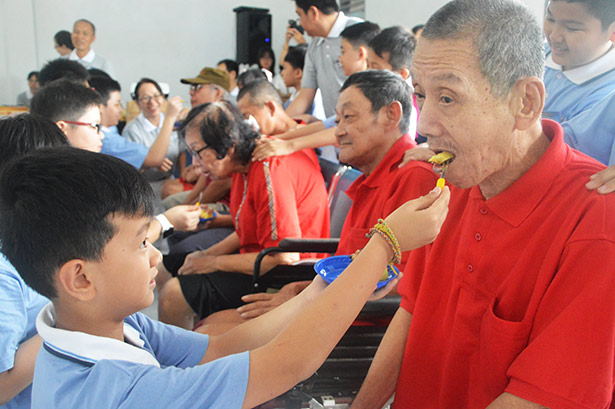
(391, 160)
(517, 201)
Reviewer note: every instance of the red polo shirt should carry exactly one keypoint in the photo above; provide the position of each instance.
(283, 196)
(384, 190)
(517, 294)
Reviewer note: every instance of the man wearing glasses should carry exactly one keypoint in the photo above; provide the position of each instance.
(211, 85)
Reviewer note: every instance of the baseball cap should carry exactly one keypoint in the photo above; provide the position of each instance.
(210, 76)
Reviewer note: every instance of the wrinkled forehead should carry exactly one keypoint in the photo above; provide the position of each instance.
(352, 97)
(451, 60)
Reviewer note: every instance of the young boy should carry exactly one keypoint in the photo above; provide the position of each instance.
(354, 46)
(19, 304)
(86, 249)
(75, 110)
(292, 70)
(580, 58)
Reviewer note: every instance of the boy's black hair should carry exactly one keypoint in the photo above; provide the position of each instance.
(325, 6)
(104, 87)
(296, 55)
(95, 72)
(399, 42)
(416, 28)
(31, 73)
(382, 87)
(361, 34)
(63, 68)
(250, 75)
(25, 133)
(603, 10)
(63, 100)
(63, 37)
(231, 65)
(56, 205)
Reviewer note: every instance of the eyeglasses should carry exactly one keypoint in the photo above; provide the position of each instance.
(195, 87)
(197, 153)
(147, 99)
(92, 125)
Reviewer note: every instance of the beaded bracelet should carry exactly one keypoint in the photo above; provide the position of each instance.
(383, 230)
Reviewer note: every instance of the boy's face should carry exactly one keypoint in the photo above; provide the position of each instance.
(351, 58)
(376, 62)
(86, 136)
(112, 111)
(291, 75)
(575, 36)
(124, 278)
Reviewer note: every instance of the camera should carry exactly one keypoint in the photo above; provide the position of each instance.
(296, 26)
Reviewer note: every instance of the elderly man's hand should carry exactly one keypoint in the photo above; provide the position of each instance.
(418, 221)
(419, 153)
(198, 262)
(603, 182)
(184, 217)
(259, 303)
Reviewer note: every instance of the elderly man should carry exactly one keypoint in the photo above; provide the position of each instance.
(512, 306)
(211, 85)
(83, 35)
(373, 135)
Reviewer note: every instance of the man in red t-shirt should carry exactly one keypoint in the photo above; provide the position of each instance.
(372, 134)
(512, 306)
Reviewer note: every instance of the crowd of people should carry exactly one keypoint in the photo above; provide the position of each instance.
(508, 270)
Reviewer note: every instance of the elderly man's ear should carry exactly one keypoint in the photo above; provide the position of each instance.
(527, 102)
(394, 113)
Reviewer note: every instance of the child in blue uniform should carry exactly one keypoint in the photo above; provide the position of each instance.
(87, 250)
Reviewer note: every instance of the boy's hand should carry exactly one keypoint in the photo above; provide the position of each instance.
(418, 221)
(418, 153)
(268, 147)
(184, 217)
(198, 263)
(603, 182)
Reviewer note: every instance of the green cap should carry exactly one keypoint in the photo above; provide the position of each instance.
(211, 76)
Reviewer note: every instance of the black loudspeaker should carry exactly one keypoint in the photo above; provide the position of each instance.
(253, 32)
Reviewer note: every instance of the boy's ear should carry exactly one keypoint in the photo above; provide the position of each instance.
(74, 280)
(298, 72)
(611, 29)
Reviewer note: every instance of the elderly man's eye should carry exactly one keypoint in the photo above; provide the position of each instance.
(446, 100)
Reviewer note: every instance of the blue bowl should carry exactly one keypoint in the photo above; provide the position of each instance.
(206, 219)
(331, 267)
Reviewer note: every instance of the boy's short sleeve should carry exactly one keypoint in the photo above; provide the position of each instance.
(330, 122)
(13, 320)
(173, 346)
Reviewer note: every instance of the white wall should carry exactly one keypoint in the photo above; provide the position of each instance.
(162, 39)
(410, 13)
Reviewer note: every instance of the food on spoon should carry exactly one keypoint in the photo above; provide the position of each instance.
(442, 159)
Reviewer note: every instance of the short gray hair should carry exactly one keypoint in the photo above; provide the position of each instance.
(505, 33)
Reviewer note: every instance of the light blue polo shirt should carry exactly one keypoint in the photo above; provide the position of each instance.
(19, 306)
(155, 367)
(114, 144)
(593, 131)
(573, 91)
